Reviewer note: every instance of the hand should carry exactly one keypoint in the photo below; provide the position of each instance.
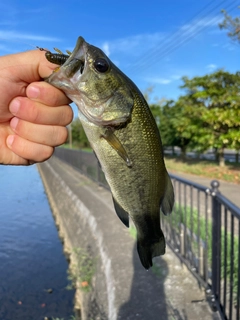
(33, 114)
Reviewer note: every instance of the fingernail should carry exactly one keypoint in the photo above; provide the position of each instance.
(10, 140)
(14, 123)
(33, 92)
(14, 106)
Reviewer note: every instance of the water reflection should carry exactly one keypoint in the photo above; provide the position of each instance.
(31, 258)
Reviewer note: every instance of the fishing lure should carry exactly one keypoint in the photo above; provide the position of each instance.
(58, 58)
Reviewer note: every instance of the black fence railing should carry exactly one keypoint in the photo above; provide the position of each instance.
(203, 231)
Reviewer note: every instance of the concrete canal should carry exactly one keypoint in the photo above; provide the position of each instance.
(111, 282)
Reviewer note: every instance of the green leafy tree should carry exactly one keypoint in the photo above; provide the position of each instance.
(217, 100)
(232, 25)
(183, 128)
(176, 123)
(79, 137)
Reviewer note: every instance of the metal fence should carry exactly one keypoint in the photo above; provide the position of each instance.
(203, 231)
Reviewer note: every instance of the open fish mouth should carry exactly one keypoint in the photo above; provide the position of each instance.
(72, 70)
(76, 61)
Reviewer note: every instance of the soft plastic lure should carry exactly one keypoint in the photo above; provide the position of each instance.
(57, 58)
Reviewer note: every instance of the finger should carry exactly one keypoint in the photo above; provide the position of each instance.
(28, 150)
(35, 112)
(29, 66)
(43, 134)
(47, 94)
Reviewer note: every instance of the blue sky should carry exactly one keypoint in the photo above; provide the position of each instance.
(154, 42)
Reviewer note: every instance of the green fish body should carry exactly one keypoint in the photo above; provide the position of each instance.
(125, 138)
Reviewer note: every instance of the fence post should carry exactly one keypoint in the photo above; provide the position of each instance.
(216, 240)
(182, 240)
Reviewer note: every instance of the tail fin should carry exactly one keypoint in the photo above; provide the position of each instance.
(168, 199)
(147, 252)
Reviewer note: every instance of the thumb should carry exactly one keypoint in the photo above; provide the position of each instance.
(28, 66)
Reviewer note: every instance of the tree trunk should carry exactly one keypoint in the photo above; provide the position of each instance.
(221, 159)
(183, 153)
(237, 156)
(216, 154)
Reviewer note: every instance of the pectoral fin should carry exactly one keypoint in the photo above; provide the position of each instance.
(122, 214)
(110, 137)
(99, 163)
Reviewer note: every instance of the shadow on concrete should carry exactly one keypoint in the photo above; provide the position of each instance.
(160, 294)
(147, 298)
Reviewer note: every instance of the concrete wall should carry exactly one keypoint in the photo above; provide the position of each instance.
(85, 217)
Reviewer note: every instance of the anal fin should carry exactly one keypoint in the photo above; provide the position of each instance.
(122, 214)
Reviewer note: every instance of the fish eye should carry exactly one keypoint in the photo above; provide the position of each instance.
(101, 65)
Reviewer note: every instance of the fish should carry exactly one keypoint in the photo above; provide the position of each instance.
(126, 141)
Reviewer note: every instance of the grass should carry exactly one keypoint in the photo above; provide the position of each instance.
(205, 168)
(82, 271)
(133, 231)
(197, 224)
(75, 147)
(210, 169)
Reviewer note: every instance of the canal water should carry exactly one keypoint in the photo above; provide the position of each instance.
(33, 269)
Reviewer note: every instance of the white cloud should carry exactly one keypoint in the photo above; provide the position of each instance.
(163, 80)
(176, 77)
(229, 46)
(211, 67)
(134, 44)
(201, 24)
(106, 49)
(158, 80)
(14, 35)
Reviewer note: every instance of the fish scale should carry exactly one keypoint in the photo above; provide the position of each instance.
(124, 136)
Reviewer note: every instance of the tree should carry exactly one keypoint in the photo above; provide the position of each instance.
(176, 123)
(163, 116)
(79, 137)
(231, 24)
(217, 99)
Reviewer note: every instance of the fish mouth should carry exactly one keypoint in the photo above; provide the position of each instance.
(67, 75)
(76, 60)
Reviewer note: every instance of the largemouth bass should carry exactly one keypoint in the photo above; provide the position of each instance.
(125, 138)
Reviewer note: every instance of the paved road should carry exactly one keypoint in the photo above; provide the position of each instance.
(229, 190)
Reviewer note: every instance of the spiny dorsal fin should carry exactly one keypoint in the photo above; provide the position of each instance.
(122, 214)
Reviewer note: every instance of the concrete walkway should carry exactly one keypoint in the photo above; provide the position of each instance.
(230, 190)
(166, 292)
